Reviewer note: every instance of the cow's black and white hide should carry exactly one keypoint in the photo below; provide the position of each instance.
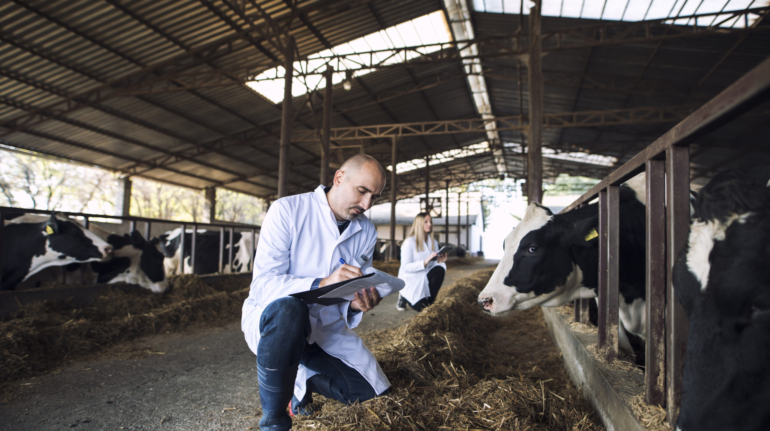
(32, 243)
(550, 260)
(206, 251)
(135, 261)
(722, 278)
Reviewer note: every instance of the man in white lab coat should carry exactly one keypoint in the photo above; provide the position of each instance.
(308, 241)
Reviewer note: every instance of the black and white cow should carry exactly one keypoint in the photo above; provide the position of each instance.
(550, 260)
(32, 243)
(135, 261)
(206, 251)
(722, 278)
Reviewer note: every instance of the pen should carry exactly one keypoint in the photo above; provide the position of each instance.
(342, 261)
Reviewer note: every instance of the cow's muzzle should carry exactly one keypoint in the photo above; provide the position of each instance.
(486, 303)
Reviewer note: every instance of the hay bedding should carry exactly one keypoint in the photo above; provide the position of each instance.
(44, 335)
(453, 367)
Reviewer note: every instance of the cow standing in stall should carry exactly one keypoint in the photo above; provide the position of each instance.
(32, 243)
(206, 251)
(723, 282)
(551, 260)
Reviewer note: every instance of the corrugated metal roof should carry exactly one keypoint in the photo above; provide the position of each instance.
(213, 130)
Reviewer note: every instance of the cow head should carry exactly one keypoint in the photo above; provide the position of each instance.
(73, 241)
(723, 282)
(136, 261)
(537, 267)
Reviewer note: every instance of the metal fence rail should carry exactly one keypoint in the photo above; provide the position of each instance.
(252, 229)
(666, 162)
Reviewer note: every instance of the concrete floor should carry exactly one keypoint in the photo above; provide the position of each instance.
(194, 381)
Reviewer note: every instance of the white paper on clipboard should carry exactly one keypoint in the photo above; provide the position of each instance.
(385, 284)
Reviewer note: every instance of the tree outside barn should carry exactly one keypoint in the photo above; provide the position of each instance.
(28, 180)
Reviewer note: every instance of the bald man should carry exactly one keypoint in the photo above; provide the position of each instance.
(309, 241)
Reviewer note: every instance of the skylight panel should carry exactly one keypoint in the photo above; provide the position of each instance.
(628, 10)
(427, 29)
(443, 157)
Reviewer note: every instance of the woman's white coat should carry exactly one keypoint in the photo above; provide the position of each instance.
(299, 242)
(413, 270)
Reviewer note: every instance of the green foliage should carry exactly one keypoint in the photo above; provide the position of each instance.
(32, 181)
(569, 185)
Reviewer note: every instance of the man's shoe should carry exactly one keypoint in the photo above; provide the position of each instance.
(401, 305)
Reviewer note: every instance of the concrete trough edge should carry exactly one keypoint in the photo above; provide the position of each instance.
(585, 374)
(81, 296)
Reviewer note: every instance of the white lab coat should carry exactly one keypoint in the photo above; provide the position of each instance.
(413, 270)
(299, 242)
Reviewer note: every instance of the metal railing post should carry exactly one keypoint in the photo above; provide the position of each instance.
(677, 232)
(86, 223)
(181, 249)
(131, 226)
(655, 278)
(602, 288)
(612, 243)
(147, 226)
(192, 247)
(230, 252)
(253, 249)
(221, 249)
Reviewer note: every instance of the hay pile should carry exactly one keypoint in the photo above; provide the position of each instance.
(453, 367)
(42, 335)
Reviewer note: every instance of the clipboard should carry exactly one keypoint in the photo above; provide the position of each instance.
(344, 291)
(445, 249)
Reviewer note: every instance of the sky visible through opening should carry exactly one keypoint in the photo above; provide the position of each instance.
(624, 10)
(427, 29)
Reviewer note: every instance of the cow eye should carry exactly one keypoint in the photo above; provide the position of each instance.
(533, 249)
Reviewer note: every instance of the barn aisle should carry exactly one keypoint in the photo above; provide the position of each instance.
(193, 381)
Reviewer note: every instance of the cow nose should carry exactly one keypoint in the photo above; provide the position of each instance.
(486, 303)
(107, 251)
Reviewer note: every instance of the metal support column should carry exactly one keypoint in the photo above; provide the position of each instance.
(181, 248)
(123, 199)
(678, 222)
(393, 190)
(283, 162)
(468, 222)
(459, 210)
(535, 75)
(210, 203)
(446, 237)
(327, 125)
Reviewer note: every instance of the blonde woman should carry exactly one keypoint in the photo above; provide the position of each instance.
(422, 273)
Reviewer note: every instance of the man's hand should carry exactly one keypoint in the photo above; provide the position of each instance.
(345, 272)
(366, 299)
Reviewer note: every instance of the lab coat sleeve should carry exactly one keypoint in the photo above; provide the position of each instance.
(271, 279)
(409, 262)
(354, 318)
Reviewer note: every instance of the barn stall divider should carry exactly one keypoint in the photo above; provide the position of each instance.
(226, 232)
(667, 165)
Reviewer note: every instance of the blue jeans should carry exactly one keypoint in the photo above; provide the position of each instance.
(284, 328)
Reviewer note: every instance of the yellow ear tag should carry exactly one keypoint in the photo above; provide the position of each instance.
(591, 235)
(48, 230)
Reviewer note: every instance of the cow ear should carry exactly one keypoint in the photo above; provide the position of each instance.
(584, 233)
(155, 240)
(52, 225)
